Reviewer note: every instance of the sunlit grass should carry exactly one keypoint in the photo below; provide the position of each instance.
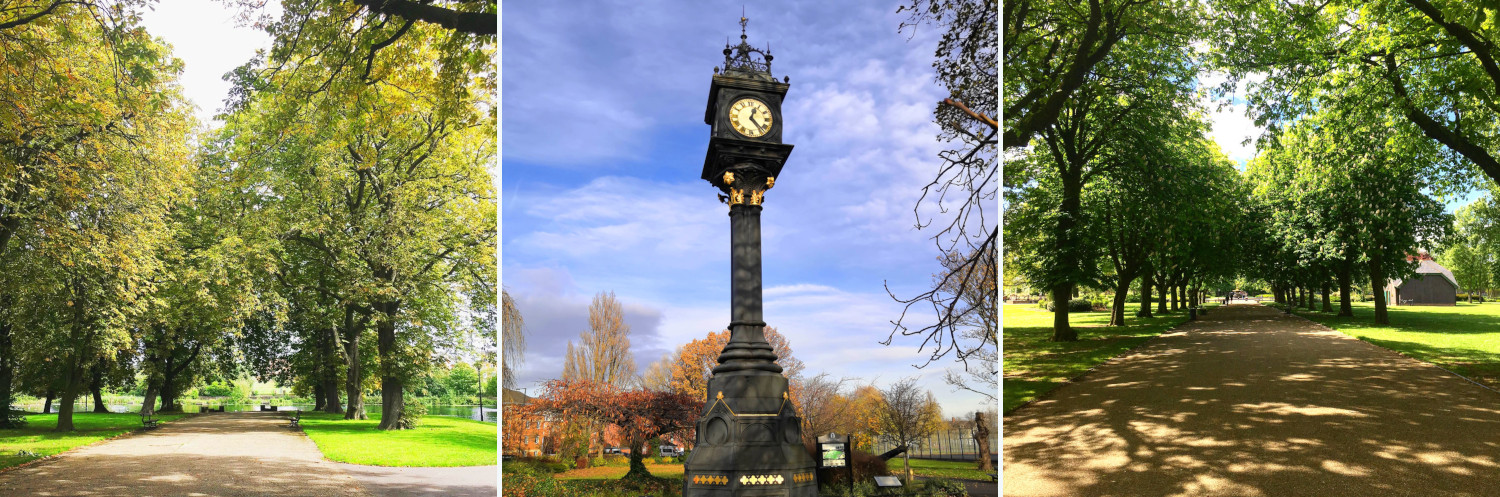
(1464, 338)
(39, 438)
(437, 441)
(940, 469)
(669, 470)
(1034, 365)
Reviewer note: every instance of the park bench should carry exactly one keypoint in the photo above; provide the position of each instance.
(148, 420)
(296, 418)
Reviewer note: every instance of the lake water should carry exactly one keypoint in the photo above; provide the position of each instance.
(477, 413)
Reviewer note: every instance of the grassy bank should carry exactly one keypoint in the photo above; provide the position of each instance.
(1464, 338)
(437, 441)
(38, 438)
(928, 468)
(1033, 365)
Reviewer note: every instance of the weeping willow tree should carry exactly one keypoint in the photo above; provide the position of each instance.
(512, 340)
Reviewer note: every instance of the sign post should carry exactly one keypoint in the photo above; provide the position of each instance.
(835, 453)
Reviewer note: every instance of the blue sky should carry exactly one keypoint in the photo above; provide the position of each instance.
(602, 144)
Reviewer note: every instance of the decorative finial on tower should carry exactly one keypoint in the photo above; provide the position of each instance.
(738, 61)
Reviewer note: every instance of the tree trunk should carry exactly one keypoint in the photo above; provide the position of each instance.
(637, 466)
(47, 406)
(352, 374)
(1327, 298)
(330, 374)
(1166, 288)
(906, 465)
(97, 388)
(148, 407)
(1171, 295)
(1377, 283)
(1146, 282)
(7, 373)
(1061, 331)
(1312, 298)
(392, 401)
(74, 383)
(331, 389)
(1117, 311)
(1066, 250)
(982, 437)
(169, 390)
(319, 400)
(1346, 278)
(65, 406)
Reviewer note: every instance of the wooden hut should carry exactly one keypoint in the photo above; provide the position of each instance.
(1433, 285)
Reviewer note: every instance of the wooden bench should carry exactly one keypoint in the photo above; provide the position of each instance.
(296, 418)
(149, 420)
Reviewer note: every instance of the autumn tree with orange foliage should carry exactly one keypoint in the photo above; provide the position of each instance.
(865, 407)
(695, 362)
(639, 414)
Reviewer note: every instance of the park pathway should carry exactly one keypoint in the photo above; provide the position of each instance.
(1249, 402)
(230, 454)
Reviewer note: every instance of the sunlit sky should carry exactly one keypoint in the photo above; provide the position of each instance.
(206, 37)
(603, 142)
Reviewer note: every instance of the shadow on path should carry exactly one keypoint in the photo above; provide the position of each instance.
(1249, 402)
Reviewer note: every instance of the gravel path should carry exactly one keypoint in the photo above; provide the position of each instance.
(1248, 402)
(230, 454)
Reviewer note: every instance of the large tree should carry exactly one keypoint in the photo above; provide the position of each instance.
(512, 339)
(693, 363)
(603, 352)
(94, 133)
(382, 181)
(639, 414)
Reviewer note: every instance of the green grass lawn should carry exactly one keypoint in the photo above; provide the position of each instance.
(437, 441)
(940, 469)
(1034, 365)
(666, 470)
(1464, 338)
(37, 437)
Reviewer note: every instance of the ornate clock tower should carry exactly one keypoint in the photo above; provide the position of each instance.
(750, 437)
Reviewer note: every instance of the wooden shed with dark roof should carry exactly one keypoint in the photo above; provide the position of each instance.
(1432, 285)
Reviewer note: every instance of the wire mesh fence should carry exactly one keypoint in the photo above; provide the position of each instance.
(953, 445)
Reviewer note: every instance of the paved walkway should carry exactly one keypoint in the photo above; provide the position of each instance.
(1248, 402)
(230, 454)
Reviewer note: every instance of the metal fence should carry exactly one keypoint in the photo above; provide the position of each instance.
(957, 445)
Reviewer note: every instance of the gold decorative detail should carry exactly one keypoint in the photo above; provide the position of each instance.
(770, 182)
(710, 480)
(762, 480)
(803, 477)
(728, 177)
(756, 196)
(720, 400)
(736, 196)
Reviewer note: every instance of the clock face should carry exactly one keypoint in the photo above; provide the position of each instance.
(750, 117)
